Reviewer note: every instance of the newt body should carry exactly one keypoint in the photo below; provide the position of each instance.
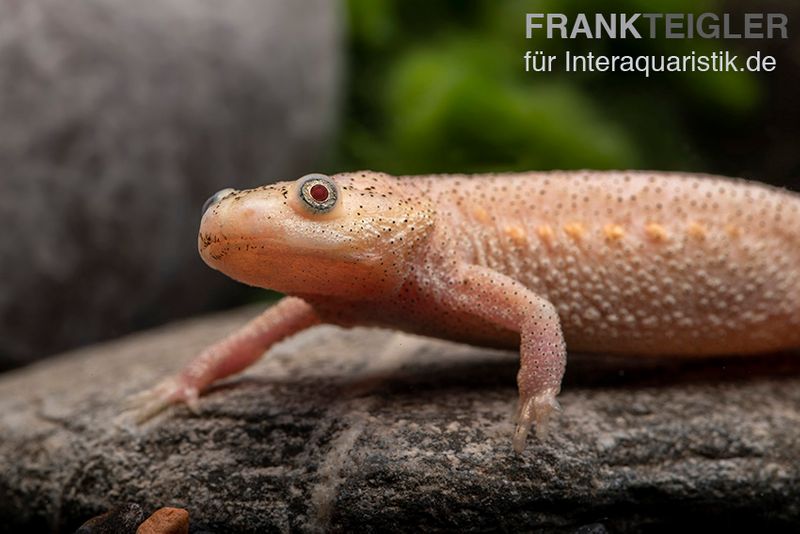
(625, 262)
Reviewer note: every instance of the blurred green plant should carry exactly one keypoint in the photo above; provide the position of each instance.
(440, 87)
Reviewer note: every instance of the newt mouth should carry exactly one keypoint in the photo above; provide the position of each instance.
(215, 248)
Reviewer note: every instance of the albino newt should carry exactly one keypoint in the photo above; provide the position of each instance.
(643, 263)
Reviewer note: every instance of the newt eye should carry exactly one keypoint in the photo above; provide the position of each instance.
(318, 192)
(216, 197)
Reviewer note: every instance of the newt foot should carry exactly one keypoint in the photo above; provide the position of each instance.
(150, 402)
(536, 409)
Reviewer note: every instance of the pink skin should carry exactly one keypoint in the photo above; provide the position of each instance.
(626, 262)
(543, 354)
(231, 355)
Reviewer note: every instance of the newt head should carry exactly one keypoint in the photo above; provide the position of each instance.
(350, 235)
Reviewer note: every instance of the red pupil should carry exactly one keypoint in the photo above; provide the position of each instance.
(319, 192)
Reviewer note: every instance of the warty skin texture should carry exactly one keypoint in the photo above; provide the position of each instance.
(626, 262)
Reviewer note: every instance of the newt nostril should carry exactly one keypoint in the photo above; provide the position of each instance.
(216, 197)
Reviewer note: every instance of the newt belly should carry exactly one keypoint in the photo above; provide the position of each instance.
(626, 262)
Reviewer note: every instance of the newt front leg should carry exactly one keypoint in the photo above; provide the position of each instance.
(232, 354)
(506, 303)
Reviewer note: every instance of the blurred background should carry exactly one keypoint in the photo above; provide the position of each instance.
(118, 119)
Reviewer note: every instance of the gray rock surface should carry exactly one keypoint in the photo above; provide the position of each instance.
(368, 430)
(118, 119)
(123, 519)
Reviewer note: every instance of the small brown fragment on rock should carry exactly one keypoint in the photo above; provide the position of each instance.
(166, 521)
